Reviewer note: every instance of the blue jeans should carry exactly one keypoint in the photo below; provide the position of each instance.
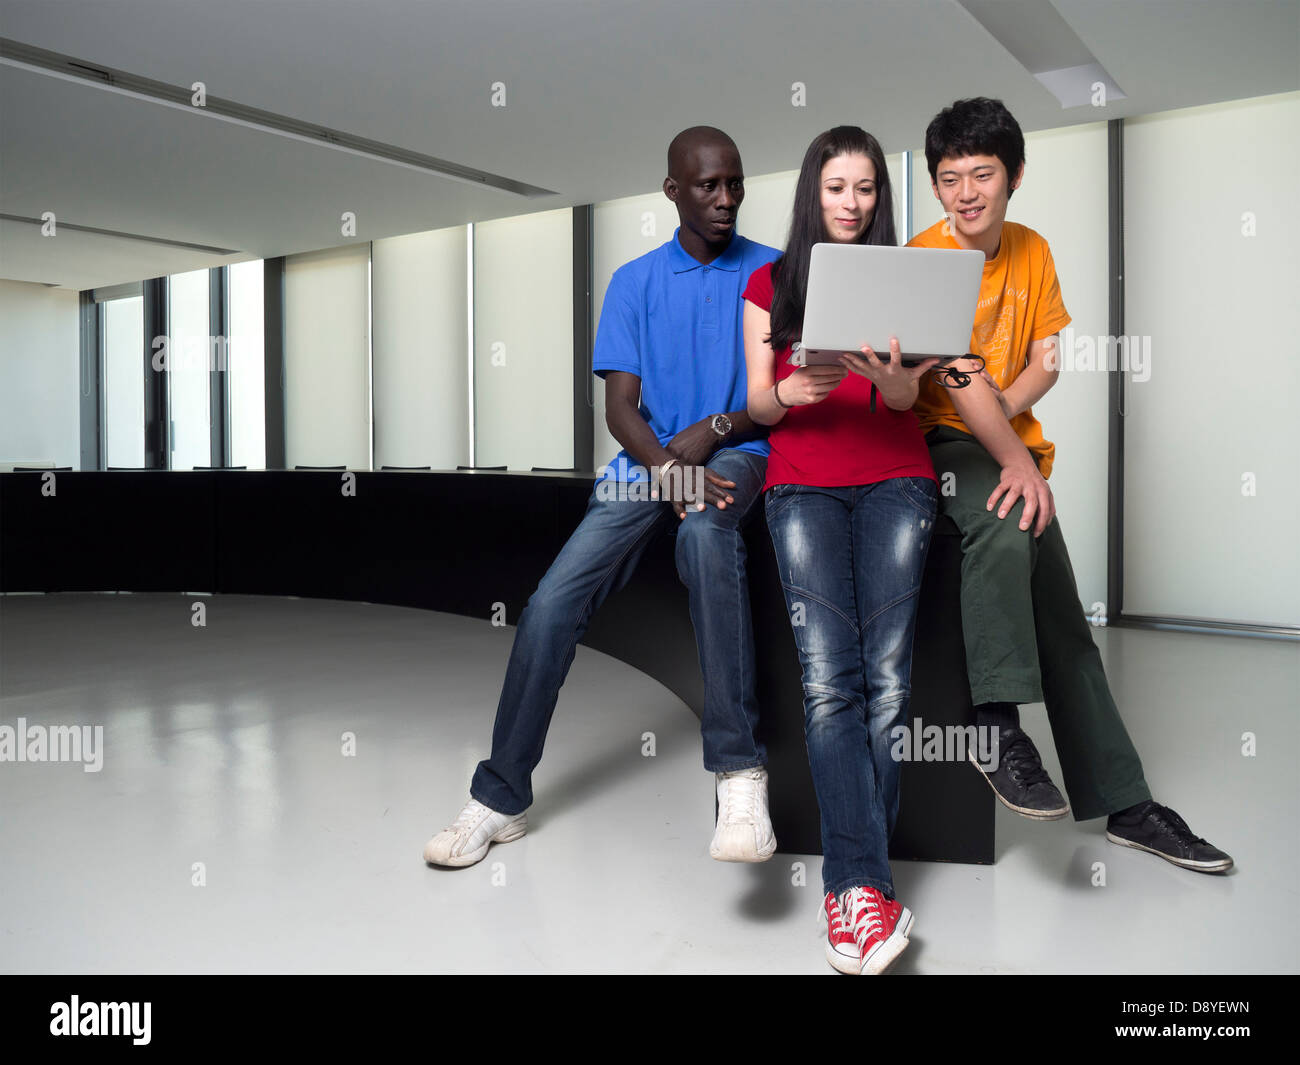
(599, 559)
(851, 561)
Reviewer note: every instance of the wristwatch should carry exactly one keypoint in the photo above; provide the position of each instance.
(721, 424)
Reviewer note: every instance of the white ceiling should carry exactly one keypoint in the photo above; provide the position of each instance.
(595, 90)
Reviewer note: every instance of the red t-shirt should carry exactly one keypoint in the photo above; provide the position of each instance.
(839, 441)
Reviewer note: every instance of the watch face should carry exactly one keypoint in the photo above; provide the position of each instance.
(721, 424)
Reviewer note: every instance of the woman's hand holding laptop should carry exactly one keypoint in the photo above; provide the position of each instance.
(809, 384)
(896, 382)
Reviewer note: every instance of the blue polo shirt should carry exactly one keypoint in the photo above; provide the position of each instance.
(677, 325)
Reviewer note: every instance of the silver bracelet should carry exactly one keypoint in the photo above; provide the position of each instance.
(660, 479)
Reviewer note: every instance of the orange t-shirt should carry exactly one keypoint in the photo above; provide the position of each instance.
(1019, 302)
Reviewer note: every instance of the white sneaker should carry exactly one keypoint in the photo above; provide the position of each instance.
(744, 832)
(474, 830)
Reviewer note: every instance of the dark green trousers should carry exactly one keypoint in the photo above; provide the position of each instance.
(1027, 639)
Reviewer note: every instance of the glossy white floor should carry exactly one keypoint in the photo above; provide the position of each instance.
(223, 745)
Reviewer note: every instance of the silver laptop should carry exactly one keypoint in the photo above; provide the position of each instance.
(864, 294)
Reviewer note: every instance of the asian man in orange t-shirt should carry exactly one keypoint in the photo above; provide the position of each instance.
(1027, 639)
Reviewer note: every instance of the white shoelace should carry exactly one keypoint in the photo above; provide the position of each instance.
(836, 921)
(865, 912)
(469, 818)
(740, 802)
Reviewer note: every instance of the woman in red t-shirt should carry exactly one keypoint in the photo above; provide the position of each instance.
(850, 499)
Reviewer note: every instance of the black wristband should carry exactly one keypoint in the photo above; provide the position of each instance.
(776, 394)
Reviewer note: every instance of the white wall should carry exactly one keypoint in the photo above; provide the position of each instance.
(326, 358)
(1211, 508)
(523, 341)
(40, 369)
(421, 374)
(1063, 197)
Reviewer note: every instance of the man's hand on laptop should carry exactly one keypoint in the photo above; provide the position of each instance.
(1023, 481)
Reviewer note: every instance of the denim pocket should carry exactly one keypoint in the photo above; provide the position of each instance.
(921, 492)
(778, 497)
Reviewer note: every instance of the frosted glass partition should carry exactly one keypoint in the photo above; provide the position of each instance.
(764, 214)
(124, 382)
(894, 164)
(189, 364)
(246, 366)
(421, 377)
(926, 209)
(326, 358)
(41, 377)
(1213, 267)
(523, 341)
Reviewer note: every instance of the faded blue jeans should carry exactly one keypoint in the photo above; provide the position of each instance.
(851, 561)
(599, 559)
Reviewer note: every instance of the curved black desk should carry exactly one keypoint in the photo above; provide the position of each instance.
(460, 542)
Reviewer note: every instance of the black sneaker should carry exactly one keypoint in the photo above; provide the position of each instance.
(1020, 782)
(1160, 831)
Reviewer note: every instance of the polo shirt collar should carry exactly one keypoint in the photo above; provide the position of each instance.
(682, 261)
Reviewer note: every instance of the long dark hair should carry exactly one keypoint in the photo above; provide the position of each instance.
(790, 272)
